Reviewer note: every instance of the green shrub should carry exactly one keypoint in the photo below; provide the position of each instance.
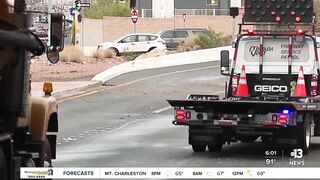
(108, 8)
(212, 40)
(130, 56)
(188, 44)
(204, 41)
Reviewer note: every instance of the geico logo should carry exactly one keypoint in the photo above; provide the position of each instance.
(269, 88)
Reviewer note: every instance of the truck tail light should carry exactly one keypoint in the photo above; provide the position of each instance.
(182, 117)
(180, 114)
(283, 118)
(250, 32)
(234, 85)
(313, 85)
(300, 32)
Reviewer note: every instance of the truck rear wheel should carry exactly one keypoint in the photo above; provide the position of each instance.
(248, 139)
(47, 154)
(3, 164)
(217, 146)
(198, 148)
(266, 139)
(304, 133)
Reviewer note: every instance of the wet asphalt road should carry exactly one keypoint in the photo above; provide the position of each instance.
(128, 124)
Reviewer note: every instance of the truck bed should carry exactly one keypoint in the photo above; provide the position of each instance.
(242, 106)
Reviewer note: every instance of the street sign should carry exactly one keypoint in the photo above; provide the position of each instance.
(134, 16)
(77, 5)
(85, 5)
(184, 16)
(72, 11)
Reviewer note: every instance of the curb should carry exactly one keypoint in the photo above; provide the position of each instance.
(76, 90)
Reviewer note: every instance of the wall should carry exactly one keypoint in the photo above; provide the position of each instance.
(115, 27)
(92, 32)
(162, 8)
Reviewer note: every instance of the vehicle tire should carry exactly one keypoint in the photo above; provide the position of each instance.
(248, 139)
(114, 51)
(304, 133)
(47, 153)
(215, 147)
(316, 119)
(28, 162)
(266, 139)
(199, 148)
(3, 164)
(151, 49)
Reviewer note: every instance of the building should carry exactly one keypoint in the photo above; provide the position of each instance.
(169, 8)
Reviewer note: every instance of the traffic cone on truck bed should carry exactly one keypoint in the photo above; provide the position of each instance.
(300, 90)
(242, 90)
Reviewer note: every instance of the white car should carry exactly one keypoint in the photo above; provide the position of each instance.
(135, 43)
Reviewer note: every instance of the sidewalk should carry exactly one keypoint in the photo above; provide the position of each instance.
(64, 89)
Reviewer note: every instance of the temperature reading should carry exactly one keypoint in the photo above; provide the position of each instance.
(220, 173)
(178, 173)
(261, 173)
(270, 161)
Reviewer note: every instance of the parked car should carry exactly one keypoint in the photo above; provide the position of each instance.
(135, 43)
(174, 37)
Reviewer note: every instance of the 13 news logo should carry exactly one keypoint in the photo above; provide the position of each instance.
(297, 153)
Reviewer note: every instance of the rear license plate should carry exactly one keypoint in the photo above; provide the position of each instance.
(225, 122)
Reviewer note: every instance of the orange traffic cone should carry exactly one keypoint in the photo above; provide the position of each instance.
(242, 90)
(300, 90)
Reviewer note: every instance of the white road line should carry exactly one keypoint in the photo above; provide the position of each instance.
(161, 110)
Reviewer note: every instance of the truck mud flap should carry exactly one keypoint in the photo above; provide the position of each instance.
(204, 136)
(202, 139)
(242, 106)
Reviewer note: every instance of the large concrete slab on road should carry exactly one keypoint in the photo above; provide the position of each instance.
(191, 57)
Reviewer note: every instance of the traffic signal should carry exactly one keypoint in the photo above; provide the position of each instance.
(79, 18)
(234, 11)
(132, 4)
(279, 11)
(77, 5)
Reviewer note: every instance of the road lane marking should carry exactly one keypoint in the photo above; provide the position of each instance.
(131, 82)
(161, 110)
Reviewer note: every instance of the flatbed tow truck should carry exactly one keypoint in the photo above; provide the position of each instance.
(273, 86)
